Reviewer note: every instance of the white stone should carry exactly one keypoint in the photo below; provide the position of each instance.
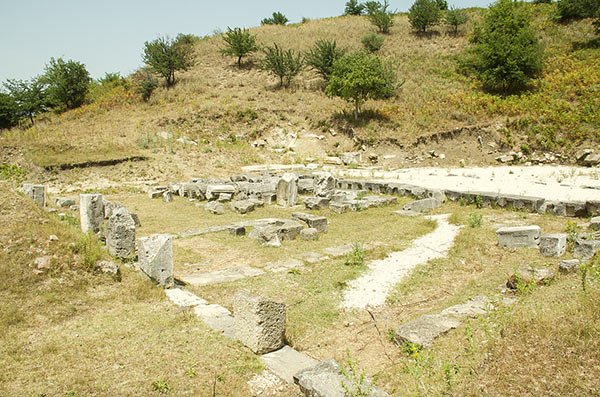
(156, 258)
(91, 212)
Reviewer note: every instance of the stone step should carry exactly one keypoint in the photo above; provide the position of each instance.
(287, 362)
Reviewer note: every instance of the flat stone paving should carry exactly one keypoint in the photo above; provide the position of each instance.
(221, 276)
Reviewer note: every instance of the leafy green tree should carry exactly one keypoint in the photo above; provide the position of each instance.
(8, 111)
(285, 64)
(106, 85)
(381, 16)
(371, 6)
(166, 56)
(277, 18)
(442, 4)
(239, 43)
(67, 84)
(508, 54)
(144, 83)
(322, 56)
(360, 76)
(455, 18)
(29, 98)
(424, 14)
(372, 42)
(577, 9)
(353, 7)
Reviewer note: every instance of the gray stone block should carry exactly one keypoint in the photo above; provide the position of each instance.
(324, 184)
(553, 244)
(155, 254)
(595, 223)
(64, 202)
(259, 322)
(585, 249)
(569, 266)
(339, 208)
(36, 192)
(91, 212)
(309, 234)
(215, 207)
(530, 275)
(287, 190)
(316, 203)
(120, 234)
(243, 206)
(213, 191)
(290, 230)
(313, 221)
(425, 329)
(423, 205)
(519, 237)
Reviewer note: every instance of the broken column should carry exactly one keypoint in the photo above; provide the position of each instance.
(259, 322)
(91, 212)
(120, 234)
(287, 190)
(155, 254)
(36, 192)
(518, 237)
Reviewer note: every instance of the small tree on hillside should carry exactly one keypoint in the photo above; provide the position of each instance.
(322, 56)
(372, 42)
(285, 64)
(239, 43)
(577, 9)
(144, 83)
(381, 16)
(277, 18)
(353, 7)
(8, 111)
(360, 76)
(442, 4)
(508, 54)
(166, 56)
(455, 18)
(29, 98)
(424, 14)
(67, 84)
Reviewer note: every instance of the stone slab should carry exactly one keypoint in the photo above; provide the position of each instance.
(553, 244)
(287, 362)
(155, 254)
(314, 221)
(221, 276)
(284, 265)
(425, 329)
(184, 299)
(519, 236)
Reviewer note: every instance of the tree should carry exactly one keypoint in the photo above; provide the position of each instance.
(577, 9)
(144, 83)
(8, 111)
(322, 56)
(29, 98)
(455, 18)
(165, 56)
(372, 42)
(381, 16)
(358, 77)
(353, 7)
(442, 4)
(507, 54)
(67, 84)
(276, 19)
(285, 64)
(424, 14)
(239, 43)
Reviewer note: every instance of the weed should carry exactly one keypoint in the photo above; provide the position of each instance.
(523, 287)
(12, 172)
(450, 371)
(589, 270)
(161, 386)
(475, 220)
(355, 382)
(479, 202)
(572, 230)
(411, 349)
(356, 257)
(454, 219)
(191, 372)
(89, 249)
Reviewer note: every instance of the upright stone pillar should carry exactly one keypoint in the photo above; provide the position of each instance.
(259, 322)
(91, 212)
(155, 255)
(287, 190)
(120, 234)
(36, 192)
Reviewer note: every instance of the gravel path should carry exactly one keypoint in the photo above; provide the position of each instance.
(372, 288)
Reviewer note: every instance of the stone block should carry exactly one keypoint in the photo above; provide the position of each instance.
(595, 223)
(530, 275)
(259, 322)
(585, 249)
(268, 235)
(309, 234)
(287, 190)
(519, 237)
(339, 208)
(237, 230)
(36, 192)
(290, 230)
(155, 254)
(553, 244)
(324, 183)
(425, 329)
(313, 221)
(306, 185)
(215, 207)
(423, 205)
(120, 234)
(91, 212)
(569, 266)
(316, 203)
(593, 207)
(213, 191)
(243, 206)
(63, 202)
(156, 193)
(167, 196)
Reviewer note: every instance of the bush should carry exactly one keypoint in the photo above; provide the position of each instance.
(356, 257)
(442, 4)
(475, 220)
(8, 111)
(144, 83)
(239, 43)
(360, 76)
(166, 56)
(67, 84)
(105, 85)
(322, 57)
(380, 16)
(285, 64)
(29, 98)
(372, 42)
(424, 14)
(576, 9)
(508, 54)
(353, 7)
(276, 19)
(455, 18)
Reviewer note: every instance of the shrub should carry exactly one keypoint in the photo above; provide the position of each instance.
(371, 6)
(8, 111)
(475, 220)
(28, 98)
(508, 54)
(145, 83)
(372, 42)
(576, 9)
(360, 76)
(442, 4)
(166, 56)
(276, 19)
(285, 64)
(380, 16)
(322, 56)
(356, 257)
(239, 43)
(455, 18)
(67, 84)
(105, 85)
(424, 14)
(353, 7)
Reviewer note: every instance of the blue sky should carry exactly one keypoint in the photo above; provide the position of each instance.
(108, 35)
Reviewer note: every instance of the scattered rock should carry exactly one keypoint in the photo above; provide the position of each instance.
(313, 221)
(553, 244)
(120, 234)
(268, 236)
(156, 193)
(425, 329)
(243, 206)
(52, 237)
(42, 262)
(35, 192)
(156, 258)
(423, 205)
(237, 230)
(167, 196)
(110, 268)
(215, 207)
(585, 249)
(333, 160)
(316, 203)
(518, 237)
(324, 183)
(530, 275)
(259, 322)
(595, 223)
(63, 202)
(569, 266)
(309, 234)
(507, 158)
(350, 158)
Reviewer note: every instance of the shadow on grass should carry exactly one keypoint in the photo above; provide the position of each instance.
(365, 117)
(588, 44)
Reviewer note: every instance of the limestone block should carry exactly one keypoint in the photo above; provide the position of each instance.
(309, 234)
(156, 258)
(259, 322)
(167, 196)
(423, 330)
(290, 230)
(268, 235)
(215, 207)
(36, 192)
(287, 190)
(120, 234)
(316, 203)
(91, 212)
(518, 237)
(423, 205)
(595, 223)
(213, 191)
(568, 266)
(585, 249)
(553, 244)
(324, 184)
(339, 208)
(530, 275)
(313, 221)
(64, 202)
(243, 206)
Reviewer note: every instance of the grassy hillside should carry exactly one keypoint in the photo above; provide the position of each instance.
(223, 107)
